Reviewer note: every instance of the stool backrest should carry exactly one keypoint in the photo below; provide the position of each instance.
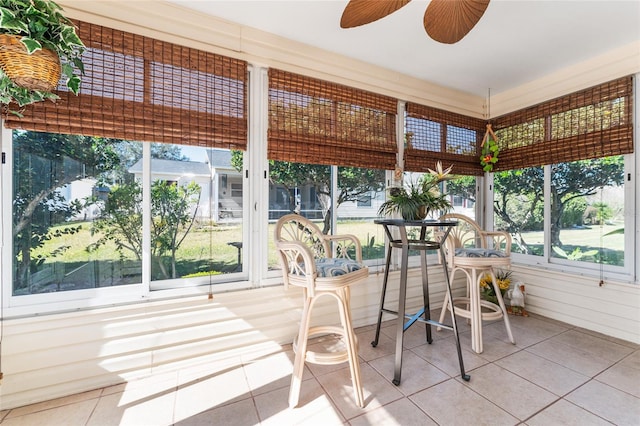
(468, 234)
(299, 242)
(293, 227)
(302, 247)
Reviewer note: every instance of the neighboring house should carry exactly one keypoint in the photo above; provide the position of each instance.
(181, 173)
(222, 189)
(226, 185)
(220, 183)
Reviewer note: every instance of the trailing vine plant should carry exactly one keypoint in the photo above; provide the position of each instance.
(490, 150)
(489, 156)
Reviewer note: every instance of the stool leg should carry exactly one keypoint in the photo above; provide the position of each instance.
(351, 344)
(300, 352)
(447, 298)
(505, 315)
(454, 321)
(476, 312)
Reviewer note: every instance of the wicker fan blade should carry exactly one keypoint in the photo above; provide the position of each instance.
(360, 12)
(448, 21)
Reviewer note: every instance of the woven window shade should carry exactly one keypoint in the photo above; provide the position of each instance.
(318, 122)
(437, 135)
(138, 88)
(592, 123)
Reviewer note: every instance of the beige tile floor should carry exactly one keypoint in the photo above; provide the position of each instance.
(556, 374)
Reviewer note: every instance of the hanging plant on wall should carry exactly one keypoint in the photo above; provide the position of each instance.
(38, 45)
(490, 150)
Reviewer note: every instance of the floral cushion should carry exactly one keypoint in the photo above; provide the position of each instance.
(332, 267)
(479, 252)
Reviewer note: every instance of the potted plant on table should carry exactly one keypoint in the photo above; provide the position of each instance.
(417, 198)
(37, 45)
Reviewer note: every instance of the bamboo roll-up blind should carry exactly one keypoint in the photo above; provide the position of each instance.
(436, 135)
(591, 123)
(142, 89)
(319, 122)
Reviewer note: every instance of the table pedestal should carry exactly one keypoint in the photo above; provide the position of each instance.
(404, 320)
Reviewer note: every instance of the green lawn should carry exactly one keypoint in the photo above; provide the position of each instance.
(205, 249)
(577, 242)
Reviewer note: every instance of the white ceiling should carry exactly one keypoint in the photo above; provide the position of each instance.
(515, 42)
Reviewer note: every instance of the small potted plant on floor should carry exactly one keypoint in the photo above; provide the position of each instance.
(37, 45)
(503, 279)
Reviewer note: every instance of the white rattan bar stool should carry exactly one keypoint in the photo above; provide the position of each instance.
(324, 266)
(475, 252)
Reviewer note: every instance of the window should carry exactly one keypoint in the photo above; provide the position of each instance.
(236, 188)
(356, 218)
(300, 188)
(364, 201)
(564, 197)
(433, 135)
(79, 208)
(184, 216)
(587, 211)
(319, 128)
(77, 213)
(518, 208)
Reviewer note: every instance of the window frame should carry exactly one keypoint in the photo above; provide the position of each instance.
(41, 303)
(626, 273)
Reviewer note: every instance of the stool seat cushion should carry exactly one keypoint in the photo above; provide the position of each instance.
(333, 267)
(479, 252)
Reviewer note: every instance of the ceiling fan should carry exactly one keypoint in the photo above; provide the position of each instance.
(446, 21)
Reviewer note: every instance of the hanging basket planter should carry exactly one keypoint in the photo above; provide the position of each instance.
(489, 150)
(37, 71)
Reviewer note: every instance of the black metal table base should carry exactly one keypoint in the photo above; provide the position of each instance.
(404, 320)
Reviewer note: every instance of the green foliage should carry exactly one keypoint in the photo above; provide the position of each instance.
(576, 254)
(202, 274)
(173, 210)
(236, 159)
(371, 250)
(463, 186)
(489, 156)
(172, 219)
(600, 212)
(41, 25)
(519, 201)
(574, 212)
(121, 220)
(416, 198)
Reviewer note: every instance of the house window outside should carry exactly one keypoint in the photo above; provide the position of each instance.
(236, 190)
(364, 201)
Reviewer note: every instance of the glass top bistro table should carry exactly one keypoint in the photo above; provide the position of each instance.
(422, 243)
